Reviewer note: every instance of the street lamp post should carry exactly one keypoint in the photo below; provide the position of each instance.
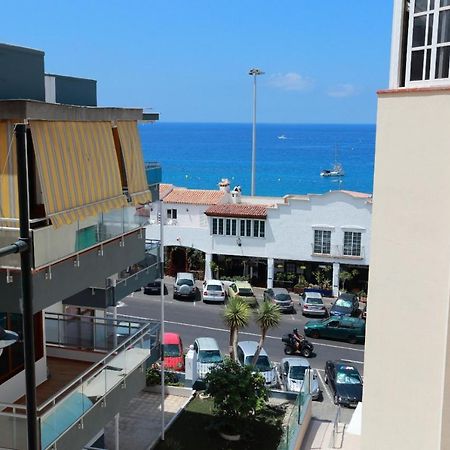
(254, 72)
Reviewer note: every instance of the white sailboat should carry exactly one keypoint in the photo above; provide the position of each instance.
(336, 171)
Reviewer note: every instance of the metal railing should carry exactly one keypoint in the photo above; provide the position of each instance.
(338, 251)
(336, 431)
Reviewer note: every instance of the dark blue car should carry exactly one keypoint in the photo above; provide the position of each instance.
(346, 305)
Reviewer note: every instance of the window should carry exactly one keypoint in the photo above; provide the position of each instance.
(172, 214)
(259, 228)
(322, 242)
(214, 226)
(224, 227)
(428, 52)
(352, 243)
(246, 227)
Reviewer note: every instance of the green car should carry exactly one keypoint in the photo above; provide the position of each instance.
(349, 329)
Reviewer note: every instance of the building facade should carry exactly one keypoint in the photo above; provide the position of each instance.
(86, 181)
(332, 228)
(407, 359)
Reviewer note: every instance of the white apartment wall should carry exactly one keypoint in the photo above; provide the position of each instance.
(289, 229)
(407, 360)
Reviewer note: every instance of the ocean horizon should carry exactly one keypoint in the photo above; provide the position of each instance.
(199, 155)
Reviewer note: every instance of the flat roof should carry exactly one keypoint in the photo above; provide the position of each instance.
(36, 110)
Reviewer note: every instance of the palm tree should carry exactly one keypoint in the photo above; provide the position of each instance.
(268, 316)
(236, 315)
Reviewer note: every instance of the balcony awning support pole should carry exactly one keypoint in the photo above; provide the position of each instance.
(27, 290)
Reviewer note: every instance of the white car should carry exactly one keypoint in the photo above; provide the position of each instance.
(311, 304)
(246, 351)
(292, 373)
(208, 355)
(213, 291)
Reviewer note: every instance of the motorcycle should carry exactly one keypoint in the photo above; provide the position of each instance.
(290, 347)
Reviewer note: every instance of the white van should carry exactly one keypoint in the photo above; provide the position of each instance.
(208, 355)
(246, 351)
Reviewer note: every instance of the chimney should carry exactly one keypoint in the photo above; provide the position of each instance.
(224, 185)
(236, 194)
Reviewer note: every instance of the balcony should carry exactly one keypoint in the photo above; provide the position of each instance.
(127, 281)
(339, 251)
(96, 367)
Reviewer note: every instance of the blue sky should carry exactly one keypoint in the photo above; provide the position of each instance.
(189, 60)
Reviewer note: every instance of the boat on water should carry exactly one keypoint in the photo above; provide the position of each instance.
(336, 171)
(282, 137)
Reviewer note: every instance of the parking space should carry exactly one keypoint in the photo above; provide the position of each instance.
(193, 319)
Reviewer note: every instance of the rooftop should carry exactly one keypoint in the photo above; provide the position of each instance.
(238, 210)
(190, 196)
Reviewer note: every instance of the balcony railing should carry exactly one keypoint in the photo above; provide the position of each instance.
(339, 251)
(53, 244)
(128, 345)
(153, 172)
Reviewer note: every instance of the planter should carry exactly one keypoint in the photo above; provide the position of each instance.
(230, 437)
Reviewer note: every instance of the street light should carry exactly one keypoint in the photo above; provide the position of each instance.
(254, 72)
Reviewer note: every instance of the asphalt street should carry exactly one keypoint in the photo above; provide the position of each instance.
(192, 319)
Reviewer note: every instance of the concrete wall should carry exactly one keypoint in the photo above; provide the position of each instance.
(75, 91)
(21, 73)
(407, 372)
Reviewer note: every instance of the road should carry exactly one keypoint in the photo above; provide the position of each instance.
(192, 319)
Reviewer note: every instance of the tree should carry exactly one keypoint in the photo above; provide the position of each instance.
(237, 393)
(347, 276)
(236, 315)
(268, 316)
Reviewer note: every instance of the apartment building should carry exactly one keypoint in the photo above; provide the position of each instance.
(87, 181)
(269, 233)
(407, 358)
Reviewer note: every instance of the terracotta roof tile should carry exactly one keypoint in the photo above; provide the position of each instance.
(164, 189)
(193, 196)
(238, 210)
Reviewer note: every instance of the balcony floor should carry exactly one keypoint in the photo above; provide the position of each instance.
(61, 373)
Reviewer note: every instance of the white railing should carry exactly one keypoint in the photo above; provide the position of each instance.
(338, 251)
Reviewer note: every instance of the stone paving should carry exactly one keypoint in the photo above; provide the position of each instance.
(140, 424)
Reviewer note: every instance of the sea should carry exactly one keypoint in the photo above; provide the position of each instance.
(199, 155)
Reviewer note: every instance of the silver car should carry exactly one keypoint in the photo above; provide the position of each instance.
(280, 297)
(292, 374)
(312, 304)
(208, 355)
(213, 291)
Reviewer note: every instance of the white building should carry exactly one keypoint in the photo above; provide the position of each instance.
(331, 228)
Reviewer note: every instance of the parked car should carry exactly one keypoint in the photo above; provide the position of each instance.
(346, 305)
(246, 351)
(280, 297)
(345, 381)
(243, 289)
(173, 352)
(184, 286)
(292, 374)
(351, 329)
(208, 355)
(213, 291)
(154, 288)
(312, 304)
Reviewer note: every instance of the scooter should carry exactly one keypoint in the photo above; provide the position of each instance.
(290, 347)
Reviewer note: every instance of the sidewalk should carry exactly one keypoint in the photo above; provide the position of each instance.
(140, 424)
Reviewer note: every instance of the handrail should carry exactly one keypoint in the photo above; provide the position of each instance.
(337, 419)
(99, 366)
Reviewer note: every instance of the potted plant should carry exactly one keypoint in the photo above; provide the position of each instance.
(237, 393)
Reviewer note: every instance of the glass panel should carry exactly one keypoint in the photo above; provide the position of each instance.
(256, 228)
(427, 65)
(242, 227)
(233, 227)
(419, 31)
(214, 226)
(430, 28)
(417, 65)
(442, 62)
(445, 3)
(421, 5)
(228, 227)
(249, 228)
(444, 26)
(326, 242)
(262, 228)
(220, 226)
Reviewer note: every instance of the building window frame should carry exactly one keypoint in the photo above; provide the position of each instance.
(352, 243)
(322, 242)
(172, 214)
(428, 59)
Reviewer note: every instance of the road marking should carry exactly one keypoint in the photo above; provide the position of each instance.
(246, 333)
(325, 387)
(351, 361)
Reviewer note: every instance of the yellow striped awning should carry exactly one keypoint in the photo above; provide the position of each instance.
(130, 144)
(78, 169)
(9, 200)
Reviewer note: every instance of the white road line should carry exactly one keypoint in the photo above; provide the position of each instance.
(351, 361)
(223, 330)
(325, 387)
